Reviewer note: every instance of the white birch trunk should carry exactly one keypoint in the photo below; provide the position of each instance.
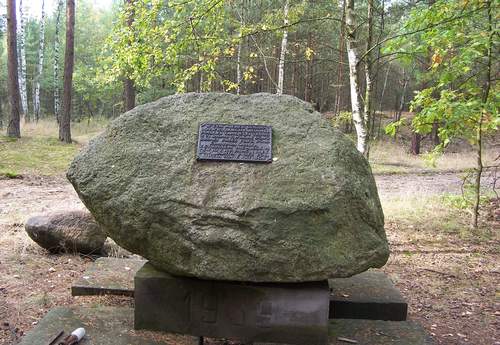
(57, 45)
(238, 69)
(369, 77)
(284, 42)
(358, 116)
(39, 70)
(22, 60)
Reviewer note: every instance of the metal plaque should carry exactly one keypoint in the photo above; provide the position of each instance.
(240, 143)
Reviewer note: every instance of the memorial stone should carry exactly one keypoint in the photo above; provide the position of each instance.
(311, 214)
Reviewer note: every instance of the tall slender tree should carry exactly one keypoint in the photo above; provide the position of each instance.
(13, 128)
(39, 69)
(22, 60)
(284, 42)
(128, 83)
(358, 116)
(57, 45)
(69, 59)
(368, 74)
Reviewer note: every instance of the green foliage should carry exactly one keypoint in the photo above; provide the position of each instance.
(392, 127)
(458, 36)
(10, 174)
(193, 45)
(342, 120)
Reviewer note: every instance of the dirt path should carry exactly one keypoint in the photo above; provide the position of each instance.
(404, 185)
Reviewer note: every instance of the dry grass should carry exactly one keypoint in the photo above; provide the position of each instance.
(388, 156)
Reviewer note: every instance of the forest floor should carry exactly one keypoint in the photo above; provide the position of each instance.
(448, 273)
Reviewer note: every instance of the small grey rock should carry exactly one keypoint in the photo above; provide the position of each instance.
(311, 214)
(72, 232)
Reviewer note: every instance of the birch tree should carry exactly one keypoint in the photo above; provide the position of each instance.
(284, 42)
(69, 58)
(13, 128)
(22, 61)
(57, 45)
(368, 74)
(39, 69)
(358, 115)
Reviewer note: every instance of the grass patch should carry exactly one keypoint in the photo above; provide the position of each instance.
(40, 152)
(431, 217)
(390, 157)
(35, 155)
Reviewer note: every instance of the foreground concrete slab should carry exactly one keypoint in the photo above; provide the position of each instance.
(108, 276)
(114, 326)
(104, 326)
(370, 295)
(285, 313)
(377, 332)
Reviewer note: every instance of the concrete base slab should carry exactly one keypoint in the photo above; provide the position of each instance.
(108, 276)
(285, 313)
(370, 295)
(103, 325)
(114, 326)
(377, 332)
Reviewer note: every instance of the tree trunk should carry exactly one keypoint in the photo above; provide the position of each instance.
(340, 66)
(309, 72)
(128, 84)
(368, 76)
(382, 98)
(486, 95)
(65, 124)
(238, 69)
(22, 61)
(39, 70)
(239, 77)
(358, 116)
(129, 94)
(13, 128)
(57, 45)
(284, 42)
(435, 133)
(416, 138)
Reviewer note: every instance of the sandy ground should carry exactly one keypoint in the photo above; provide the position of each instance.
(451, 284)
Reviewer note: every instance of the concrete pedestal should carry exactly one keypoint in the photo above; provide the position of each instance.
(280, 313)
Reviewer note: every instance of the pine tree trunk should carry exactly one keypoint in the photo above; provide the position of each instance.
(284, 42)
(340, 67)
(13, 128)
(65, 124)
(128, 84)
(22, 61)
(39, 69)
(358, 116)
(57, 45)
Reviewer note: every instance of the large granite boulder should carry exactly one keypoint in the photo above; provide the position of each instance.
(311, 214)
(71, 232)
